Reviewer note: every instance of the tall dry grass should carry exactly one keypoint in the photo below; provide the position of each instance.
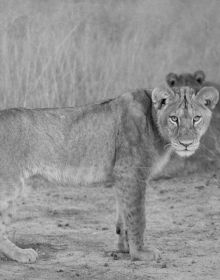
(66, 53)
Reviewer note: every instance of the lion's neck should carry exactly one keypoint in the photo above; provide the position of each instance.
(160, 144)
(163, 152)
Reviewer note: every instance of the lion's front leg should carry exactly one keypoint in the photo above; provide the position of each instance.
(130, 194)
(131, 217)
(121, 230)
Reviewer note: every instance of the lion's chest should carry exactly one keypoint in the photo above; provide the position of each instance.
(160, 162)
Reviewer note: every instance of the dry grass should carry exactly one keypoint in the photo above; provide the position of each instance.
(66, 53)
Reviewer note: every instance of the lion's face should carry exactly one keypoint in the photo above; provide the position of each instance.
(183, 116)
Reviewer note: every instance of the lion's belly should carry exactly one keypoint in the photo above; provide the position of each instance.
(74, 175)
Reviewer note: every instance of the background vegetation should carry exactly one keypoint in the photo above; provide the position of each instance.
(66, 53)
(74, 52)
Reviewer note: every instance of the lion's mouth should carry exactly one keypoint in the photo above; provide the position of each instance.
(185, 153)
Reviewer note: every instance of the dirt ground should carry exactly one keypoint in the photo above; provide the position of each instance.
(73, 230)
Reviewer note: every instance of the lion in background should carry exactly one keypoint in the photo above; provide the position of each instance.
(125, 140)
(195, 80)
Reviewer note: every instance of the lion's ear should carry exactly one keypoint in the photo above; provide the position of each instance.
(208, 96)
(199, 76)
(171, 79)
(160, 97)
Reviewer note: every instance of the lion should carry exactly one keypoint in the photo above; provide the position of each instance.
(193, 80)
(125, 140)
(196, 80)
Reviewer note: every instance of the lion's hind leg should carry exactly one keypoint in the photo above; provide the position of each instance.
(10, 192)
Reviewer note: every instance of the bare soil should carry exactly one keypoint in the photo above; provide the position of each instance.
(73, 230)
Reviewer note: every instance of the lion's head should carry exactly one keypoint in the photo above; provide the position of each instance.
(183, 116)
(195, 80)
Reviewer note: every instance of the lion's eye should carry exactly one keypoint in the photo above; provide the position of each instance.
(196, 119)
(174, 119)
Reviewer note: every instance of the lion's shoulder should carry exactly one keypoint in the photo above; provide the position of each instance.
(134, 116)
(136, 103)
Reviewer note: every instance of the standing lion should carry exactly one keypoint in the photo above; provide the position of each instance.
(125, 140)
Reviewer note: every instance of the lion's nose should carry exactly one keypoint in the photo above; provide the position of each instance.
(186, 143)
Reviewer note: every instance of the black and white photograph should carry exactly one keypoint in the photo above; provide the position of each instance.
(109, 139)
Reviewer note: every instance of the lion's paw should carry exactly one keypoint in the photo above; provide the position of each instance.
(25, 256)
(147, 254)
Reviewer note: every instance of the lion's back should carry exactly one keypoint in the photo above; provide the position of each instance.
(56, 138)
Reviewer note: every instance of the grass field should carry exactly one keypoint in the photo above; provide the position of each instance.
(65, 53)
